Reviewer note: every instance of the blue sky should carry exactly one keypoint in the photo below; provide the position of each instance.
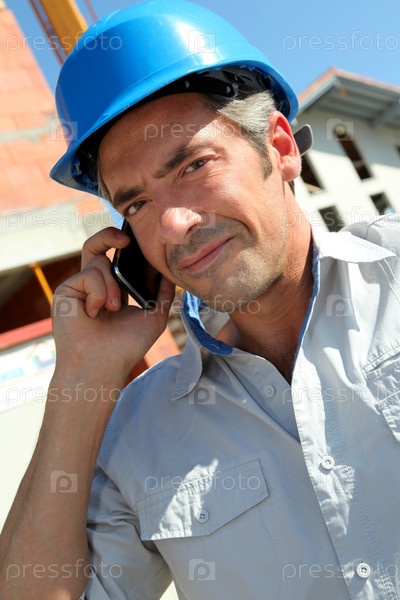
(301, 38)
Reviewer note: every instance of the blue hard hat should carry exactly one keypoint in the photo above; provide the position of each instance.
(152, 48)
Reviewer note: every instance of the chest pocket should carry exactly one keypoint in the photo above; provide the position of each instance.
(383, 378)
(200, 506)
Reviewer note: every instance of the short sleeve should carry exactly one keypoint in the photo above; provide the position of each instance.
(122, 567)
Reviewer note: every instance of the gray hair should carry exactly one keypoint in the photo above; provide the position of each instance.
(251, 117)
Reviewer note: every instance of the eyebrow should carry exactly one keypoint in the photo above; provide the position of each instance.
(123, 196)
(181, 154)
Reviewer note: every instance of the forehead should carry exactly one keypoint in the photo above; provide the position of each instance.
(176, 117)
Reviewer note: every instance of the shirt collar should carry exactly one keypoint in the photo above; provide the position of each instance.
(347, 246)
(202, 322)
(200, 342)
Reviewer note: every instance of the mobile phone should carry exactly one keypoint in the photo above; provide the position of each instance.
(134, 273)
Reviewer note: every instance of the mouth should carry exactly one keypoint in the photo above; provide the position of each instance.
(204, 258)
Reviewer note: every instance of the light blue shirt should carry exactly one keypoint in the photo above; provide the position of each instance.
(217, 473)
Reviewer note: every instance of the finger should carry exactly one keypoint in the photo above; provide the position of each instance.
(101, 242)
(114, 295)
(76, 291)
(88, 287)
(97, 293)
(166, 291)
(165, 297)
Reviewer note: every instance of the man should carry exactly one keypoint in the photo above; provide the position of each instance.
(261, 463)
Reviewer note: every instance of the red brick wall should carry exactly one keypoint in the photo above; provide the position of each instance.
(30, 141)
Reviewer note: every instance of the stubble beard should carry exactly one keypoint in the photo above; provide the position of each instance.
(227, 290)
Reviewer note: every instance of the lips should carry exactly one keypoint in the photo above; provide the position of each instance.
(204, 257)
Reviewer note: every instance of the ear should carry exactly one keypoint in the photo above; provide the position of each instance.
(286, 151)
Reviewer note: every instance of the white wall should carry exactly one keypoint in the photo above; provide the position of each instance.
(342, 186)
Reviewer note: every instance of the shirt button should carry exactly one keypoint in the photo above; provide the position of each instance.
(327, 462)
(269, 391)
(363, 570)
(202, 516)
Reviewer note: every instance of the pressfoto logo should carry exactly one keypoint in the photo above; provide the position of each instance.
(200, 570)
(63, 44)
(59, 571)
(61, 129)
(203, 395)
(63, 482)
(200, 42)
(356, 41)
(75, 217)
(337, 306)
(208, 219)
(64, 307)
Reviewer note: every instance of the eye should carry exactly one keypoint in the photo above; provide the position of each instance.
(196, 164)
(135, 207)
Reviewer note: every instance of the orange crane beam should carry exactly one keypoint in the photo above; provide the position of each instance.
(62, 22)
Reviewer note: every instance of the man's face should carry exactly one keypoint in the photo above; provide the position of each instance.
(195, 194)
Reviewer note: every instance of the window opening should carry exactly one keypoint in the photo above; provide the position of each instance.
(332, 218)
(309, 176)
(382, 204)
(344, 137)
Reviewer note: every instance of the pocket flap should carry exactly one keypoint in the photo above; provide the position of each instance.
(390, 408)
(202, 505)
(383, 378)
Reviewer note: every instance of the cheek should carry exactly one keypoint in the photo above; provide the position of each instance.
(243, 198)
(228, 197)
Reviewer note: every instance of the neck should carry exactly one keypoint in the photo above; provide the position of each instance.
(273, 331)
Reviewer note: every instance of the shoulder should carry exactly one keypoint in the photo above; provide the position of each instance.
(141, 404)
(383, 231)
(154, 385)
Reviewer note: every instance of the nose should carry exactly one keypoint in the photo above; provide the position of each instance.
(176, 222)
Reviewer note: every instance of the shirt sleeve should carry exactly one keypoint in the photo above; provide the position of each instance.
(121, 565)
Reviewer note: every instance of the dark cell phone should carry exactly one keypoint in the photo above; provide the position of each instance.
(134, 273)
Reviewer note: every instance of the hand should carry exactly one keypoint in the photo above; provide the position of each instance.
(94, 327)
